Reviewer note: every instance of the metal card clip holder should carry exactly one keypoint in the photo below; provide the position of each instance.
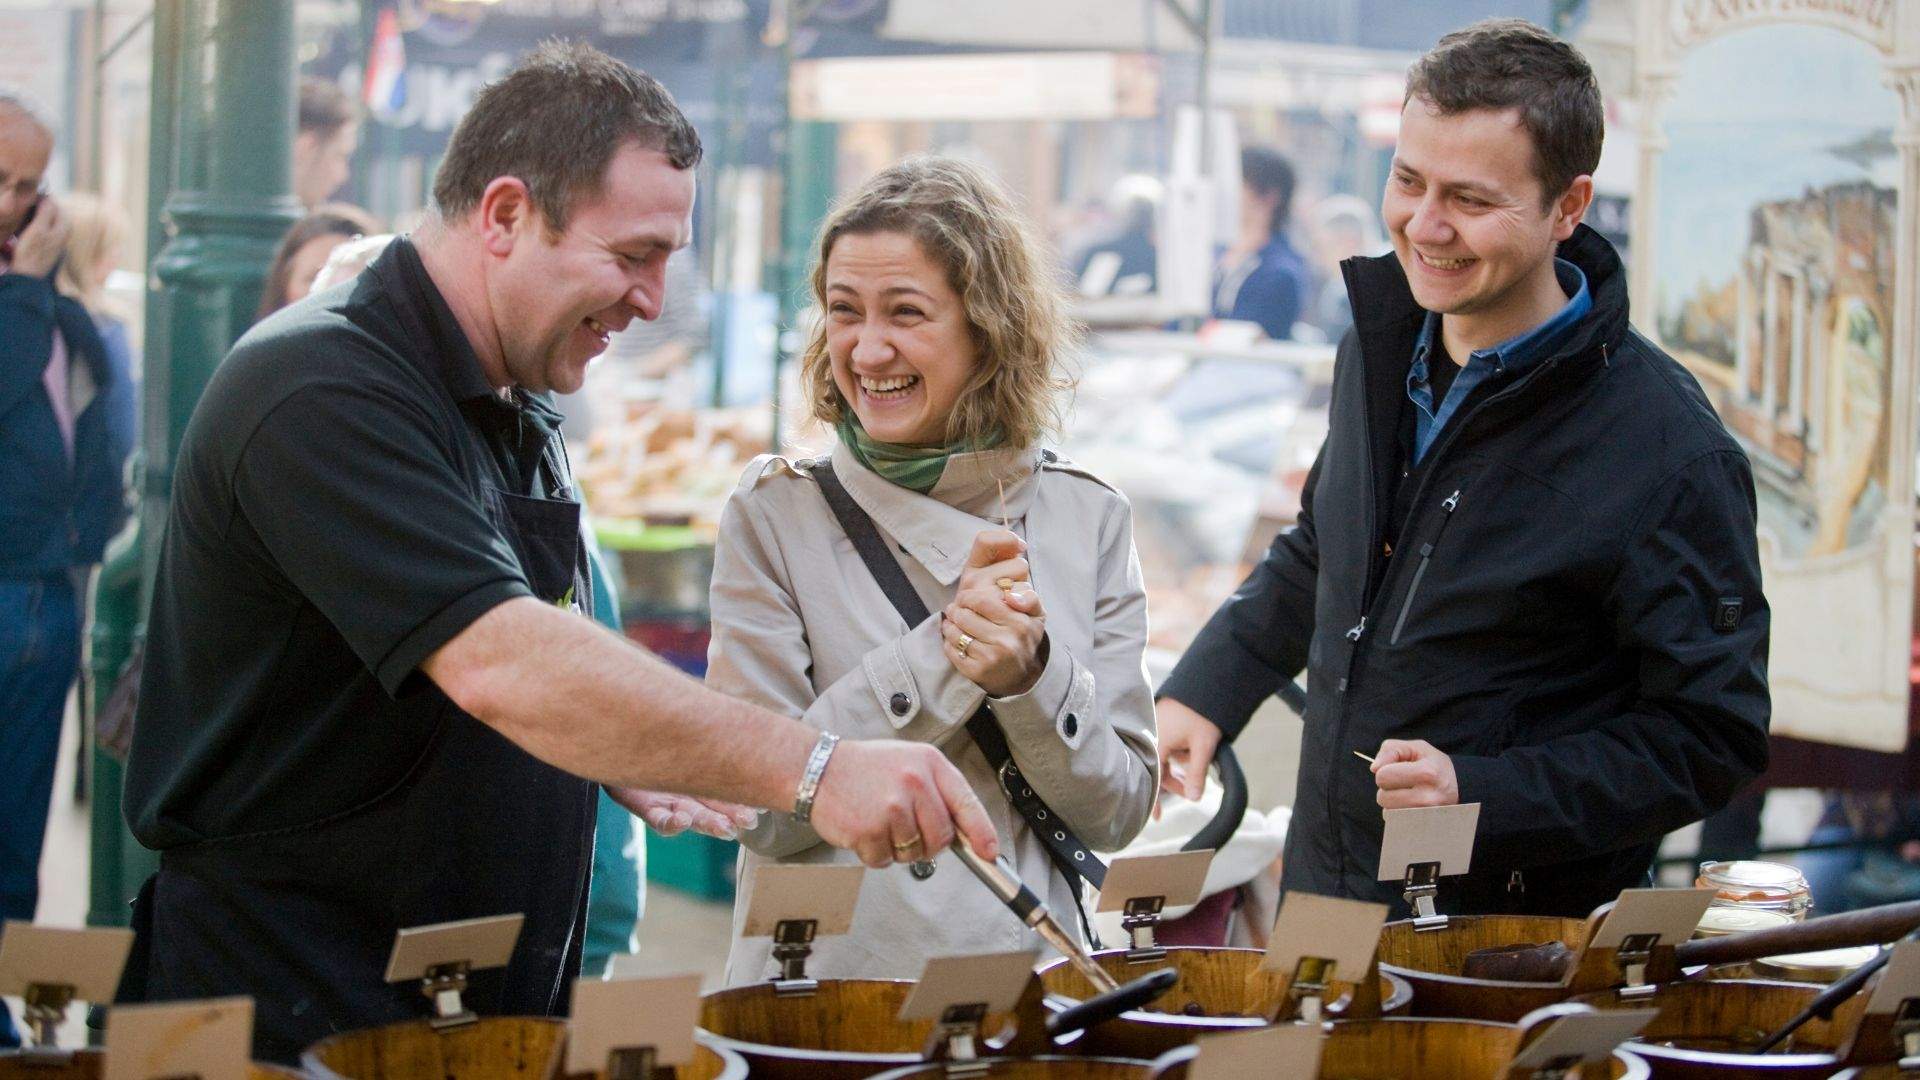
(49, 968)
(1419, 845)
(792, 944)
(46, 1009)
(1307, 991)
(1138, 919)
(958, 993)
(631, 1063)
(1633, 955)
(632, 1029)
(1629, 941)
(442, 985)
(442, 956)
(956, 1039)
(795, 905)
(1422, 890)
(1906, 1032)
(1143, 887)
(1316, 940)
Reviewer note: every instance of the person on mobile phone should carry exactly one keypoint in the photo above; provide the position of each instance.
(60, 492)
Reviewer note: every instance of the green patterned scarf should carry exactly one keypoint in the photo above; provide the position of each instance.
(916, 468)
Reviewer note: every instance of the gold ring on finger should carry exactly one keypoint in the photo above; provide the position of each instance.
(966, 639)
(1005, 584)
(905, 846)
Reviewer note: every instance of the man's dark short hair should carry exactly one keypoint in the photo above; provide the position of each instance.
(1268, 172)
(1502, 64)
(325, 108)
(555, 122)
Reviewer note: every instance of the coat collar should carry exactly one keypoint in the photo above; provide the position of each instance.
(938, 528)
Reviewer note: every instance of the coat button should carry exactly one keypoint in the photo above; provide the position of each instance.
(1071, 725)
(900, 703)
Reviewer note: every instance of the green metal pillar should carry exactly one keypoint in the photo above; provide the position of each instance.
(223, 120)
(809, 159)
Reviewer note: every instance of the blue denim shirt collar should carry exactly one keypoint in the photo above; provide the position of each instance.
(1512, 356)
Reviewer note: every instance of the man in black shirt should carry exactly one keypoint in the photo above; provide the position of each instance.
(370, 699)
(1525, 571)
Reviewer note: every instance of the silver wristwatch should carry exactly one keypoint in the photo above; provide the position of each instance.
(810, 780)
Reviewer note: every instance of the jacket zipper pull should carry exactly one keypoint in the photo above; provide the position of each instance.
(1452, 501)
(1354, 634)
(1516, 883)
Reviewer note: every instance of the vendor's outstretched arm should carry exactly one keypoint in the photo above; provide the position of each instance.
(585, 700)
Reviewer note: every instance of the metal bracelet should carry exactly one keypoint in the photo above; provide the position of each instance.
(810, 780)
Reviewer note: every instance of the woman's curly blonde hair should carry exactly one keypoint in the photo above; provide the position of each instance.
(1016, 309)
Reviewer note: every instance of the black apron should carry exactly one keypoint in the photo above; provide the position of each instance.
(303, 919)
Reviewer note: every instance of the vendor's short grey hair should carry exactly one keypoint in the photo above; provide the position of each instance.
(20, 103)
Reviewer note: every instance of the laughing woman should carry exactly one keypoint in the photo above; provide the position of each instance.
(937, 360)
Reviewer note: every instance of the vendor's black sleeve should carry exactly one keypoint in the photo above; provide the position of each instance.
(1258, 637)
(1686, 602)
(353, 495)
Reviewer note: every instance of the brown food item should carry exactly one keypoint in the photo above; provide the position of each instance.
(1524, 962)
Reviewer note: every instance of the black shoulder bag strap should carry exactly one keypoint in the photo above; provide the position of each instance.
(1071, 857)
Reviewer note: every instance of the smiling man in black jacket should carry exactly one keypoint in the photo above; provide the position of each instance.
(1525, 571)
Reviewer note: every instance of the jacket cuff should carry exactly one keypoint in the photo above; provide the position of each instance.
(1482, 779)
(1061, 699)
(911, 675)
(1221, 681)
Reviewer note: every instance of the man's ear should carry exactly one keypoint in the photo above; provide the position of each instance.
(1571, 206)
(506, 214)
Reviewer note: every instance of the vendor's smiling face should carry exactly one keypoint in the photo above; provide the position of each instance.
(898, 335)
(558, 300)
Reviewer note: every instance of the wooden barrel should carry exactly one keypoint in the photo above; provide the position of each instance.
(1431, 961)
(1220, 990)
(60, 1065)
(88, 1064)
(845, 1028)
(710, 1062)
(1052, 1067)
(1398, 1047)
(1704, 1028)
(491, 1048)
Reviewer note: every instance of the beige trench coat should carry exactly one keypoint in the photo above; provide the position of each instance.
(800, 626)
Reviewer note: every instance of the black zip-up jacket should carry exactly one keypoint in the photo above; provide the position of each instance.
(1573, 611)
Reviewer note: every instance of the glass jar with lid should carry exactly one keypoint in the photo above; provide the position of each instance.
(1760, 886)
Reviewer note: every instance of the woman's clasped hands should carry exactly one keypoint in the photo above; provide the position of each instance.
(995, 630)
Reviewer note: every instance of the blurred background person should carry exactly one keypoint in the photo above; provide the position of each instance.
(1343, 227)
(1125, 261)
(60, 492)
(305, 249)
(1263, 279)
(348, 259)
(96, 246)
(328, 135)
